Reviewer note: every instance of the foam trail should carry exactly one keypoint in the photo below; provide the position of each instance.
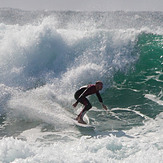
(134, 111)
(154, 98)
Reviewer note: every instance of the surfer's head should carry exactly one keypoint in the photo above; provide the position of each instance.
(99, 85)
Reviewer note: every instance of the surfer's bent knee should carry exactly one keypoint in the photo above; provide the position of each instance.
(88, 106)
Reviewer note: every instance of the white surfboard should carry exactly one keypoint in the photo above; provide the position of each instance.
(82, 125)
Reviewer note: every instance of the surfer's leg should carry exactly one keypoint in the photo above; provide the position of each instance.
(87, 106)
(82, 113)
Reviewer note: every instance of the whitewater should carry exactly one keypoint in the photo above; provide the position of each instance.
(45, 56)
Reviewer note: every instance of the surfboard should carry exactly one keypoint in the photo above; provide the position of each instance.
(82, 125)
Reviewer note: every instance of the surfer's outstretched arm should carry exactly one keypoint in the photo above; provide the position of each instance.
(104, 106)
(100, 100)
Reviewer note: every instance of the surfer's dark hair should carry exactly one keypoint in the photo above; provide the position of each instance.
(99, 82)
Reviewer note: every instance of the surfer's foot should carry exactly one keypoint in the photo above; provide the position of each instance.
(77, 118)
(81, 121)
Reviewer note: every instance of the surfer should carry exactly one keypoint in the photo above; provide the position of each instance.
(81, 94)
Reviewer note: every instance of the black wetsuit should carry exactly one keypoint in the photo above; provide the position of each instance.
(83, 92)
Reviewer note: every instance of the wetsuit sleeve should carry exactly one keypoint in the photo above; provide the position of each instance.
(99, 97)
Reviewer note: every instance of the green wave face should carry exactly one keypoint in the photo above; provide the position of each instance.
(141, 88)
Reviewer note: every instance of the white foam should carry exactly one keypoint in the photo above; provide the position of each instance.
(154, 99)
(140, 144)
(39, 105)
(12, 149)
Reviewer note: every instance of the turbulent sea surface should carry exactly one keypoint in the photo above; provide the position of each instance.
(45, 56)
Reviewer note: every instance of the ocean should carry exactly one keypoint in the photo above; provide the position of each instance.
(45, 56)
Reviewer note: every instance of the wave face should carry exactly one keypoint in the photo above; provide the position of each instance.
(45, 56)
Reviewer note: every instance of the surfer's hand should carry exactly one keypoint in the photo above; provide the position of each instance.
(75, 104)
(104, 106)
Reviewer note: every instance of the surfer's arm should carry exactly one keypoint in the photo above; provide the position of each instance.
(104, 106)
(100, 100)
(99, 97)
